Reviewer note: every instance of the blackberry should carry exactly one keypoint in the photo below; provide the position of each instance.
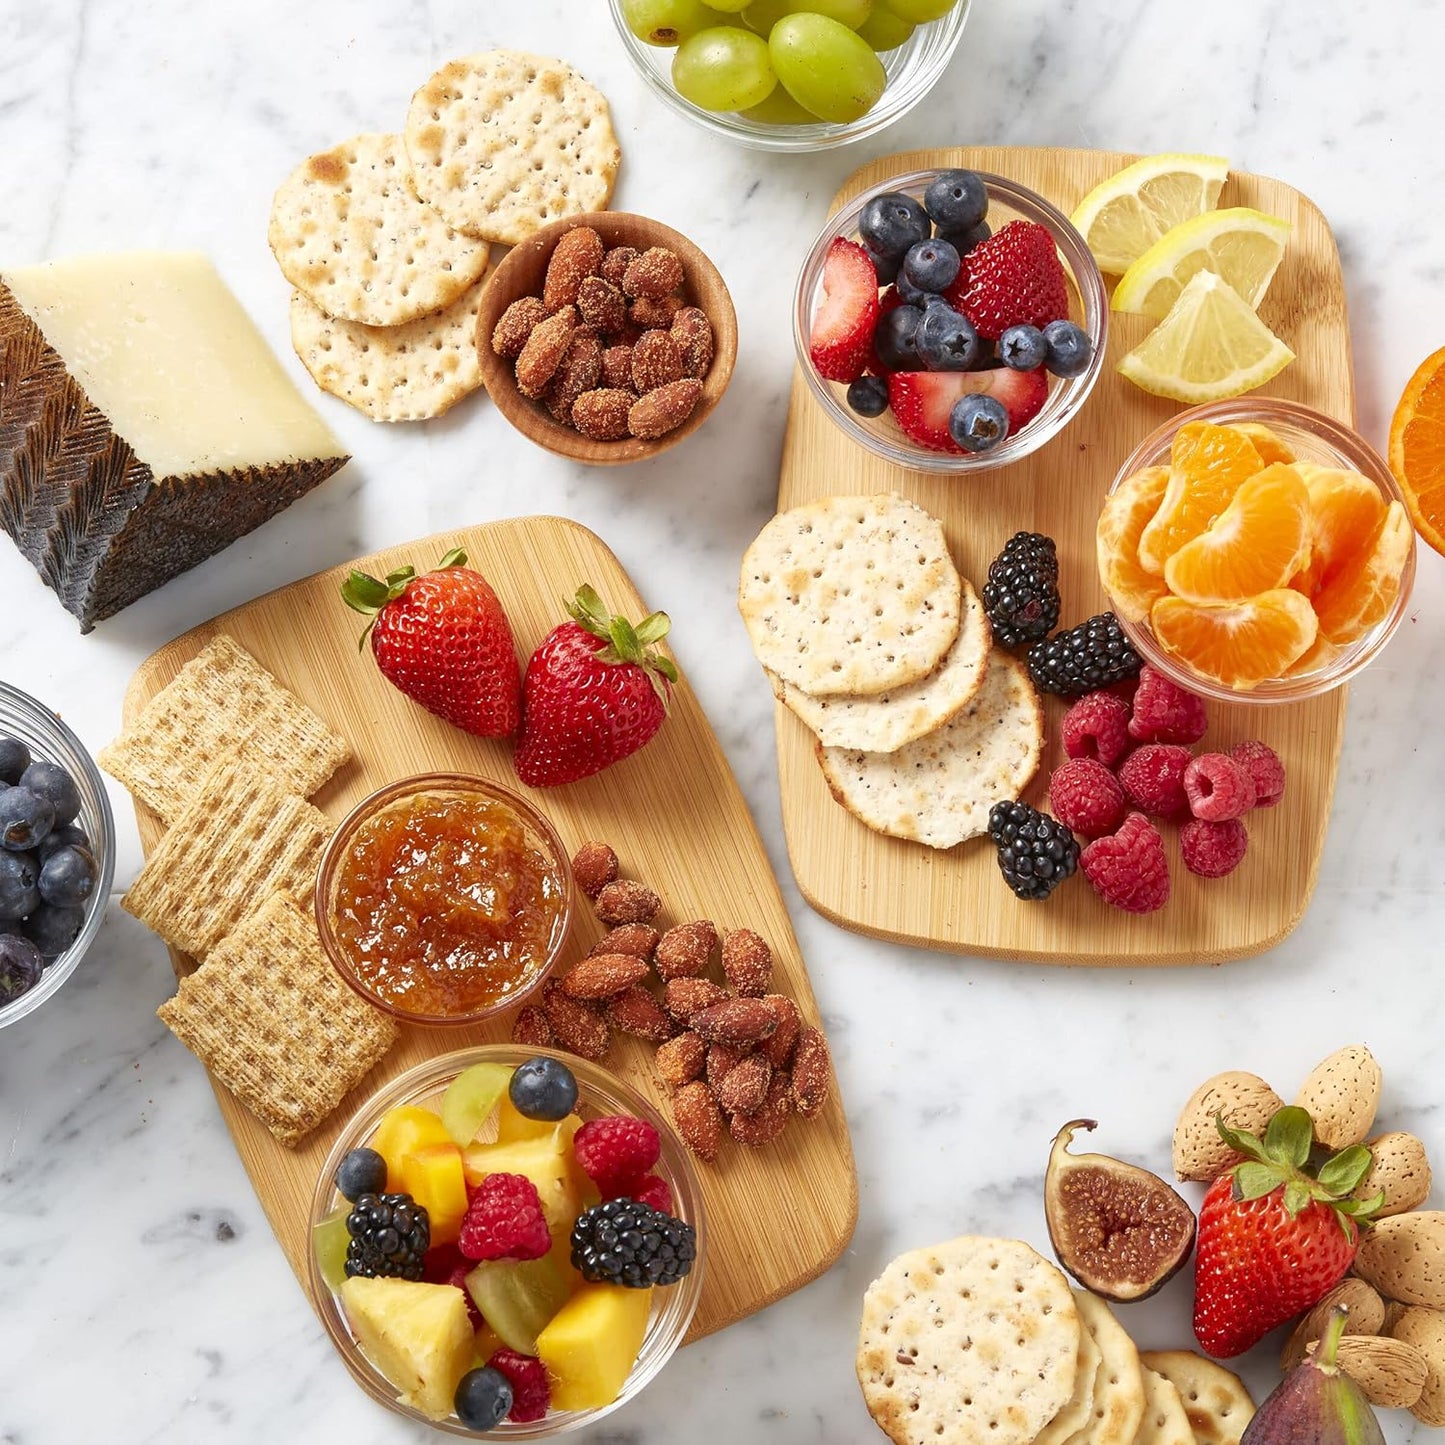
(1092, 655)
(1021, 595)
(389, 1235)
(1035, 852)
(627, 1243)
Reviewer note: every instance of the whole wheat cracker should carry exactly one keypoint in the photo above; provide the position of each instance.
(221, 702)
(1215, 1400)
(1165, 1420)
(1080, 1406)
(269, 1017)
(1119, 1386)
(349, 231)
(502, 143)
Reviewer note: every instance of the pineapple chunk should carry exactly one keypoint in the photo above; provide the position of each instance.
(403, 1131)
(546, 1161)
(418, 1335)
(592, 1344)
(432, 1175)
(514, 1125)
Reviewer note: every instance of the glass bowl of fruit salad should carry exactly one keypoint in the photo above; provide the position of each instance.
(501, 1143)
(58, 857)
(1256, 551)
(950, 320)
(854, 66)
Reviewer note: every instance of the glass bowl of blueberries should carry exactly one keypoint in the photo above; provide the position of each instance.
(57, 853)
(950, 320)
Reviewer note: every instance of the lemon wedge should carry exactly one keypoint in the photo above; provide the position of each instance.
(1124, 215)
(1210, 346)
(1241, 246)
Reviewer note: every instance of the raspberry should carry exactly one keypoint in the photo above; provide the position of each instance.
(1262, 764)
(531, 1395)
(653, 1190)
(504, 1220)
(1129, 870)
(1086, 797)
(1164, 712)
(1097, 726)
(616, 1152)
(1218, 788)
(446, 1264)
(458, 1277)
(1213, 849)
(1153, 778)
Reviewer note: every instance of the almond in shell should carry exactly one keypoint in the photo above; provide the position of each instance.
(698, 1119)
(1366, 1316)
(734, 1021)
(1425, 1331)
(1342, 1094)
(1244, 1100)
(1391, 1373)
(1404, 1258)
(1399, 1170)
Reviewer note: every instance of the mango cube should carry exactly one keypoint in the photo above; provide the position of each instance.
(433, 1176)
(403, 1131)
(546, 1161)
(592, 1343)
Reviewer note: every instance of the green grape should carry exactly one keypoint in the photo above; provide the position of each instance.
(780, 109)
(733, 7)
(668, 22)
(919, 12)
(826, 68)
(762, 15)
(725, 68)
(883, 30)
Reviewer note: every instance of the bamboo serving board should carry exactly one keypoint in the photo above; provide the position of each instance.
(676, 818)
(956, 900)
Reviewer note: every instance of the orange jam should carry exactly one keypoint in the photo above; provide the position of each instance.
(444, 905)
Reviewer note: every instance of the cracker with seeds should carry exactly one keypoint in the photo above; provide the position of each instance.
(976, 1339)
(242, 838)
(939, 789)
(221, 702)
(504, 143)
(1077, 1413)
(1119, 1386)
(1215, 1400)
(348, 230)
(1165, 1421)
(851, 595)
(269, 1017)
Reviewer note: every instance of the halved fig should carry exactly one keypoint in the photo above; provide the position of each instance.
(1118, 1229)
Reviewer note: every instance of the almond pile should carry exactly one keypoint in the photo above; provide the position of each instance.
(611, 347)
(738, 1059)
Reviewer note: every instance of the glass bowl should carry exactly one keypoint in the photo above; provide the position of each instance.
(47, 737)
(1312, 437)
(1088, 306)
(600, 1092)
(913, 70)
(541, 835)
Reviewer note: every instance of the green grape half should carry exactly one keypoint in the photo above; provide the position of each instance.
(883, 30)
(668, 22)
(762, 15)
(919, 12)
(780, 109)
(826, 67)
(725, 68)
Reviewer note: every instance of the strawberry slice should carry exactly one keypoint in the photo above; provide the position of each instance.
(922, 400)
(1015, 278)
(842, 339)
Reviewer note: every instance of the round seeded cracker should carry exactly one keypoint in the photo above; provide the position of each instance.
(976, 1339)
(1119, 1386)
(1080, 1407)
(1215, 1400)
(1165, 1421)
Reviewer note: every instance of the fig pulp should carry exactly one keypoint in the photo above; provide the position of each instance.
(1118, 1229)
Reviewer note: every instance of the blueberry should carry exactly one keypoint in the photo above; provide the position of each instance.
(68, 835)
(885, 266)
(25, 819)
(947, 341)
(52, 930)
(1070, 348)
(14, 759)
(67, 876)
(964, 241)
(543, 1088)
(931, 266)
(868, 396)
(957, 200)
(1024, 348)
(483, 1399)
(978, 423)
(55, 785)
(20, 967)
(19, 877)
(895, 338)
(912, 295)
(362, 1171)
(891, 223)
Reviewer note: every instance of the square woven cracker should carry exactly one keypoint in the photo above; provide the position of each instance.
(242, 838)
(222, 701)
(268, 1016)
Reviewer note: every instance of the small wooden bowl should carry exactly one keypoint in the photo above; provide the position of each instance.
(521, 274)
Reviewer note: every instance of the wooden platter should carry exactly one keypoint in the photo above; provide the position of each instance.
(677, 821)
(954, 900)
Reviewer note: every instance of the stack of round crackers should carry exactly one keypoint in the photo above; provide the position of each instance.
(872, 638)
(386, 237)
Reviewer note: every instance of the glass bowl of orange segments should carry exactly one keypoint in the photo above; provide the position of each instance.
(1285, 598)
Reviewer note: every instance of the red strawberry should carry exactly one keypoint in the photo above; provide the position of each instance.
(922, 400)
(842, 338)
(1274, 1236)
(443, 639)
(596, 690)
(1013, 279)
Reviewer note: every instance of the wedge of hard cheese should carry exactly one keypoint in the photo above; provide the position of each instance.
(144, 424)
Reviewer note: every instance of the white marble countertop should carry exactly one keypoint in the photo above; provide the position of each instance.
(144, 1299)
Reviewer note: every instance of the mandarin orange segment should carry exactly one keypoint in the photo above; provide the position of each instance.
(1207, 465)
(1347, 510)
(1362, 590)
(1417, 448)
(1269, 445)
(1239, 644)
(1321, 653)
(1131, 589)
(1259, 541)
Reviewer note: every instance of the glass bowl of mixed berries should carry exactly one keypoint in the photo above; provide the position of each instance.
(950, 320)
(57, 853)
(506, 1242)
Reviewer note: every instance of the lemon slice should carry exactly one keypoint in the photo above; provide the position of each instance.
(1123, 216)
(1241, 246)
(1210, 346)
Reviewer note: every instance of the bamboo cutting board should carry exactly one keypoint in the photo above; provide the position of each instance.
(956, 900)
(673, 813)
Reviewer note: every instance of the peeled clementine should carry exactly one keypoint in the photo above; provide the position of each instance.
(1131, 589)
(1361, 591)
(1417, 448)
(1346, 512)
(1239, 644)
(1269, 446)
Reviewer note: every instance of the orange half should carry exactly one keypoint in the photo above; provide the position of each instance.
(1363, 589)
(1346, 512)
(1417, 448)
(1131, 589)
(1240, 644)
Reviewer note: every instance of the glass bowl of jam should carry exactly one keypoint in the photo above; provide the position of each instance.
(444, 899)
